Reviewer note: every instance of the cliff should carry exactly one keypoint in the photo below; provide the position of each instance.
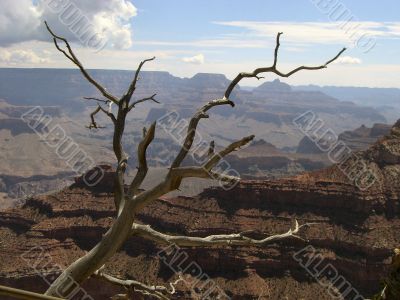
(355, 229)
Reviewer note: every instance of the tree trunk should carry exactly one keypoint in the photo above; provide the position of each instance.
(68, 282)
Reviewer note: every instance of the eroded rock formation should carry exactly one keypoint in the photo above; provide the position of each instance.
(355, 229)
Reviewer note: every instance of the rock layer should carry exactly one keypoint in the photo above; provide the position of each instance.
(353, 229)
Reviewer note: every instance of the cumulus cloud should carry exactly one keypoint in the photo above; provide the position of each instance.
(348, 60)
(19, 21)
(17, 57)
(197, 59)
(85, 21)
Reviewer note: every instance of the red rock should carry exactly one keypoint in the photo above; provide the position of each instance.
(356, 231)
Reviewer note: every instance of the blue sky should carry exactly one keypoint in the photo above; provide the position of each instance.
(219, 36)
(200, 14)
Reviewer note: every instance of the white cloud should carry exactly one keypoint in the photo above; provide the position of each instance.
(319, 32)
(197, 59)
(348, 60)
(19, 21)
(298, 35)
(16, 57)
(105, 59)
(105, 20)
(211, 43)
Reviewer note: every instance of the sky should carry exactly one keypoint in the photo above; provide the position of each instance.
(211, 36)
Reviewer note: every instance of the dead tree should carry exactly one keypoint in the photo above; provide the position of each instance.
(130, 201)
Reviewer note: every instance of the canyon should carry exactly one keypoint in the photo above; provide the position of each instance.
(354, 227)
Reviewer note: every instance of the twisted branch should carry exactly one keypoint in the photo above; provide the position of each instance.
(212, 162)
(148, 136)
(152, 98)
(157, 291)
(93, 123)
(175, 176)
(236, 239)
(202, 113)
(72, 57)
(191, 131)
(273, 69)
(132, 86)
(97, 99)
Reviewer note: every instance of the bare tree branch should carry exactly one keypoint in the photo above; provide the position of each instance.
(175, 176)
(232, 147)
(143, 100)
(132, 86)
(159, 292)
(141, 153)
(191, 131)
(119, 121)
(93, 123)
(205, 170)
(278, 36)
(211, 149)
(97, 99)
(273, 69)
(71, 56)
(237, 239)
(202, 113)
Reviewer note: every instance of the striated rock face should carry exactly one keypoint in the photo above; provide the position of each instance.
(354, 229)
(18, 187)
(262, 160)
(358, 139)
(10, 118)
(13, 111)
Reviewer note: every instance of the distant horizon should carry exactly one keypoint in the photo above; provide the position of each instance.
(183, 77)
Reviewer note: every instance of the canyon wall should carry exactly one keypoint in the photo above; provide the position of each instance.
(354, 227)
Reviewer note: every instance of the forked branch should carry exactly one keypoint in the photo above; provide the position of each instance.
(236, 239)
(191, 131)
(152, 98)
(175, 176)
(93, 123)
(273, 69)
(132, 86)
(213, 161)
(202, 112)
(205, 171)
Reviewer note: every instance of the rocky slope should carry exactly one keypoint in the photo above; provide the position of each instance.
(34, 154)
(267, 111)
(358, 139)
(354, 230)
(262, 160)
